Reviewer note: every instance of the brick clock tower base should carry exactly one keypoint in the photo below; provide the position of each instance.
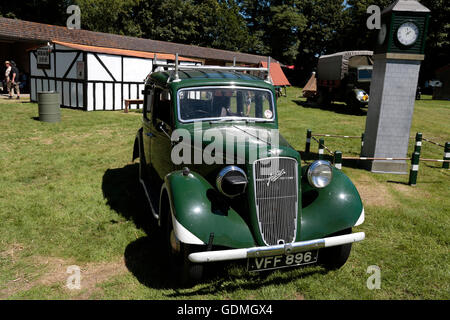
(391, 107)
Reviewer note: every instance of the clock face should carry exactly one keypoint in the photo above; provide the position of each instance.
(407, 34)
(382, 34)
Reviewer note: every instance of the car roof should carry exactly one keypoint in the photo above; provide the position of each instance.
(188, 78)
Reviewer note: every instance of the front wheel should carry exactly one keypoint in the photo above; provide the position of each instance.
(335, 257)
(184, 270)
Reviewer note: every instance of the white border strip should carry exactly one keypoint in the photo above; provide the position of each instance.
(183, 234)
(361, 218)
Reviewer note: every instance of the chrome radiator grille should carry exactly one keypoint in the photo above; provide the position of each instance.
(276, 195)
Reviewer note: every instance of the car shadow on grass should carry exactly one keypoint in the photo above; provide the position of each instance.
(334, 107)
(226, 284)
(146, 257)
(124, 195)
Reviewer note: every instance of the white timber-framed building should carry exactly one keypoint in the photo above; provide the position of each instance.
(95, 70)
(92, 78)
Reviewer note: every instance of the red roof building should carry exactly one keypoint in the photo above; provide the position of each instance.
(276, 73)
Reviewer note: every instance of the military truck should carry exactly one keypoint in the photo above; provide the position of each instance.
(344, 77)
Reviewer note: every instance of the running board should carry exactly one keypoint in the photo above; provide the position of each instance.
(150, 202)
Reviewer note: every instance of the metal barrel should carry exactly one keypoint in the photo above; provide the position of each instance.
(48, 104)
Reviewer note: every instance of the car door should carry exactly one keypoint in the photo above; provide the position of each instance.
(147, 132)
(162, 126)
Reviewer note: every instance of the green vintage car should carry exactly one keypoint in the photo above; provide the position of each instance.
(224, 185)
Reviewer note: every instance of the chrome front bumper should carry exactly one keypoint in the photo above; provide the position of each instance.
(289, 248)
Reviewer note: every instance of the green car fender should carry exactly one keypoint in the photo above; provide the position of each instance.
(331, 209)
(195, 217)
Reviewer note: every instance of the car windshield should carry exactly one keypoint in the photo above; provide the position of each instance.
(217, 103)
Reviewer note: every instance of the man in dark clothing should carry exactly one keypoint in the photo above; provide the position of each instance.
(13, 84)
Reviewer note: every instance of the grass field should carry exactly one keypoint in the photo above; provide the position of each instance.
(69, 196)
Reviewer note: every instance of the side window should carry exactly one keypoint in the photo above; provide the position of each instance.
(148, 103)
(162, 106)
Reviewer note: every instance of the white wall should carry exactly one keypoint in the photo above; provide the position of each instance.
(97, 72)
(63, 61)
(134, 70)
(66, 89)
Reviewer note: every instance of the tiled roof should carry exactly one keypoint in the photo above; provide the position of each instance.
(33, 31)
(123, 52)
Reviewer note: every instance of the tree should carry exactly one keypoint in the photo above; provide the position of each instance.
(288, 30)
(207, 23)
(437, 50)
(110, 16)
(276, 26)
(43, 11)
(363, 39)
(223, 27)
(326, 21)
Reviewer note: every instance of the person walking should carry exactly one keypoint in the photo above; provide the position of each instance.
(14, 81)
(7, 72)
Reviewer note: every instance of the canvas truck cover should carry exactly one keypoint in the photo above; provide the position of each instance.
(335, 66)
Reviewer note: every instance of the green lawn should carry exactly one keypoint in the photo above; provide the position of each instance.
(69, 196)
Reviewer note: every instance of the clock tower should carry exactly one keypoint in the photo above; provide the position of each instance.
(399, 50)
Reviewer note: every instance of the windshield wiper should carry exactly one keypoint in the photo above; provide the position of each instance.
(225, 120)
(254, 136)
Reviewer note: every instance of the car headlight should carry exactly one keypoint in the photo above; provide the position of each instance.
(320, 174)
(231, 181)
(361, 95)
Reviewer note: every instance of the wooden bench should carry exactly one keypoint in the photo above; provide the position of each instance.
(132, 101)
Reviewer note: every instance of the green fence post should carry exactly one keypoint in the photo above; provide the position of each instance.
(308, 141)
(362, 143)
(321, 148)
(418, 145)
(338, 160)
(414, 169)
(446, 165)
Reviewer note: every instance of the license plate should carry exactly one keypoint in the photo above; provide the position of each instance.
(282, 261)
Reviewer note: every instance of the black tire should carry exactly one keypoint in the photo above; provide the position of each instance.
(324, 99)
(191, 273)
(334, 258)
(186, 272)
(353, 104)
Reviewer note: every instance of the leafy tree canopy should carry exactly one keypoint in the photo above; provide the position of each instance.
(291, 31)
